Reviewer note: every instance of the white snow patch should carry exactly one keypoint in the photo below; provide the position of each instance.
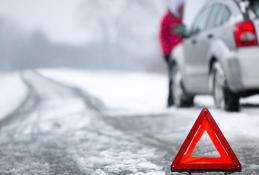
(113, 151)
(12, 93)
(119, 90)
(148, 165)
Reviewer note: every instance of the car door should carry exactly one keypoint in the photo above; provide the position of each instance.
(192, 47)
(196, 49)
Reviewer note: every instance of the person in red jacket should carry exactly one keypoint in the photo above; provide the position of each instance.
(168, 39)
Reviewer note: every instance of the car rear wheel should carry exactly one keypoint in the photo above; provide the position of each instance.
(224, 98)
(180, 98)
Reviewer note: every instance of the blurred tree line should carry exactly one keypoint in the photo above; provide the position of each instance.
(124, 36)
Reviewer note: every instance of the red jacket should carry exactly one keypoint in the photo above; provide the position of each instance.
(168, 40)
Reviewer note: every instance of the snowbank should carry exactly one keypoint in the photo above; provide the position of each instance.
(12, 93)
(118, 90)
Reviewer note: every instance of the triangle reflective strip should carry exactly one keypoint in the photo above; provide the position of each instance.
(224, 158)
(184, 160)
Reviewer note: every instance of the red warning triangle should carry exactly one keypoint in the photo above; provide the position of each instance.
(186, 162)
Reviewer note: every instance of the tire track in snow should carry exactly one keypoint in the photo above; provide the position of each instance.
(47, 156)
(30, 147)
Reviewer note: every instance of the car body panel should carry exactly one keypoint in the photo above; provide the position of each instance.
(196, 62)
(239, 64)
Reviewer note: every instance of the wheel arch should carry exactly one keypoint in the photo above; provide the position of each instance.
(217, 52)
(213, 60)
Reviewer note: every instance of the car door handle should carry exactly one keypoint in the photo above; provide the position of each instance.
(210, 36)
(194, 41)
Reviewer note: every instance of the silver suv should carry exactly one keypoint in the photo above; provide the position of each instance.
(220, 55)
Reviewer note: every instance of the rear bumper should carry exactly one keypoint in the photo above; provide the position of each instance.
(242, 69)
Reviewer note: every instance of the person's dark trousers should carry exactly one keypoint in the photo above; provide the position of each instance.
(170, 101)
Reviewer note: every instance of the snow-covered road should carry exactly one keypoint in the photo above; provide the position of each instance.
(110, 123)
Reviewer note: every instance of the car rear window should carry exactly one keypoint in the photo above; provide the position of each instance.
(255, 6)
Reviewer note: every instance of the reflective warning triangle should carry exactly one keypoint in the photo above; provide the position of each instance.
(186, 162)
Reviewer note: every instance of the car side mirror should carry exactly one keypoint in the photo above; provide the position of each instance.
(182, 31)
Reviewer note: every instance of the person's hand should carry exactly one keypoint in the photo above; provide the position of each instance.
(181, 30)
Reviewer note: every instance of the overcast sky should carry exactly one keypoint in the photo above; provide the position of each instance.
(59, 19)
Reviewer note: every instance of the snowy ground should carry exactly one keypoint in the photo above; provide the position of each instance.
(13, 91)
(126, 94)
(110, 123)
(135, 97)
(118, 90)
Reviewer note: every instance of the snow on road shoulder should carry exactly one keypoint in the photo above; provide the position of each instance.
(12, 92)
(118, 90)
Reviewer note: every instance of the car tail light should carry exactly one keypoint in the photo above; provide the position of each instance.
(245, 34)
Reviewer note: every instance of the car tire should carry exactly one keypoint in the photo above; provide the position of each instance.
(224, 98)
(179, 96)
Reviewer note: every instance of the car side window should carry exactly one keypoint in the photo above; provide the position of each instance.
(226, 13)
(213, 20)
(201, 21)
